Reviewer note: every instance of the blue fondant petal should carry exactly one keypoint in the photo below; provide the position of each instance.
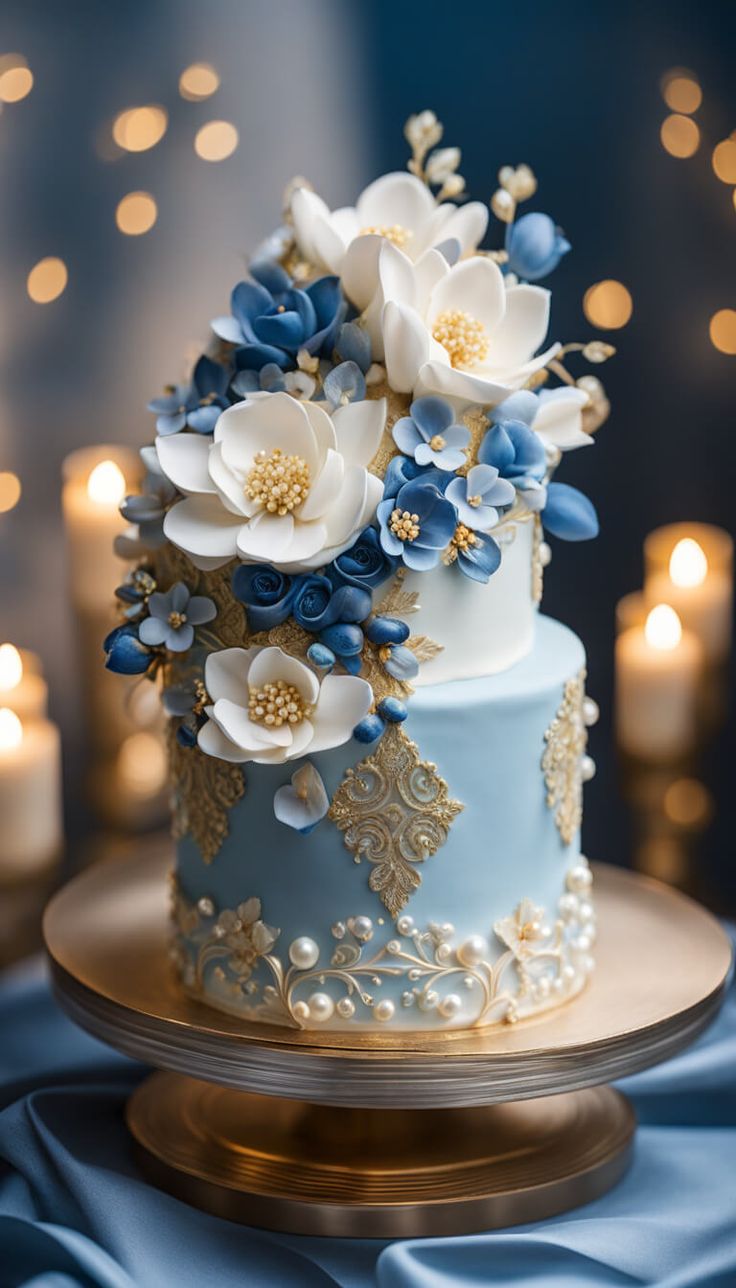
(569, 514)
(433, 415)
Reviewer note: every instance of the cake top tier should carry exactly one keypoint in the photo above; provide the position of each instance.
(381, 402)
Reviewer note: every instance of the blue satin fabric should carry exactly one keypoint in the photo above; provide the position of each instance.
(75, 1212)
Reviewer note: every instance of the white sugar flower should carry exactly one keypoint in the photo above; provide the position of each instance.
(269, 707)
(397, 208)
(459, 331)
(555, 414)
(282, 482)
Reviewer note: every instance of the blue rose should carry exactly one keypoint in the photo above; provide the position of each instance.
(534, 246)
(267, 594)
(366, 564)
(318, 604)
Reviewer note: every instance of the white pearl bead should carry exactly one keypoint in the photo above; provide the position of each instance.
(361, 927)
(444, 952)
(543, 986)
(405, 925)
(583, 943)
(579, 878)
(567, 905)
(568, 973)
(473, 950)
(384, 1010)
(587, 768)
(300, 1011)
(591, 711)
(303, 953)
(345, 1008)
(321, 1007)
(449, 1006)
(586, 912)
(407, 998)
(428, 1001)
(545, 554)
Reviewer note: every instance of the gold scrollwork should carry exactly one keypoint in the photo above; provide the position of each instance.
(566, 740)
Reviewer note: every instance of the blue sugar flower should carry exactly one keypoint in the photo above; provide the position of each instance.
(124, 652)
(399, 661)
(569, 514)
(365, 564)
(146, 510)
(318, 604)
(303, 803)
(272, 380)
(477, 555)
(272, 319)
(344, 384)
(354, 345)
(179, 701)
(173, 617)
(267, 594)
(135, 592)
(519, 456)
(430, 435)
(478, 496)
(534, 246)
(196, 406)
(417, 524)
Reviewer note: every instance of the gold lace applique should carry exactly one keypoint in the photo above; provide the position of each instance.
(395, 812)
(204, 791)
(397, 405)
(537, 565)
(566, 740)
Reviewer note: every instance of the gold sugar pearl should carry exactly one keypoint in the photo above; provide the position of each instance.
(404, 525)
(395, 233)
(277, 703)
(463, 538)
(463, 337)
(177, 620)
(280, 483)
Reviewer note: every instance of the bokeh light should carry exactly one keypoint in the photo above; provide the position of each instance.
(10, 491)
(688, 563)
(723, 330)
(11, 667)
(681, 91)
(140, 128)
(106, 484)
(216, 140)
(16, 78)
(136, 213)
(688, 803)
(198, 81)
(724, 160)
(143, 764)
(663, 629)
(47, 280)
(608, 305)
(11, 730)
(680, 136)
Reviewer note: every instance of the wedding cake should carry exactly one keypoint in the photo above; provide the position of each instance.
(378, 744)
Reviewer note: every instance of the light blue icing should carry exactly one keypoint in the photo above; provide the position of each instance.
(487, 738)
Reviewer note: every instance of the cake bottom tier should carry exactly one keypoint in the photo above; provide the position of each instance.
(445, 888)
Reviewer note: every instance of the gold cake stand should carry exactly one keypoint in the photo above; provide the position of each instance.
(384, 1134)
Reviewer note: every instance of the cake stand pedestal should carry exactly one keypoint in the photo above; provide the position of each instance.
(384, 1135)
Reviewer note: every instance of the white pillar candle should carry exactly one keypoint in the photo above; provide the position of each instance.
(30, 796)
(690, 566)
(657, 674)
(96, 479)
(22, 687)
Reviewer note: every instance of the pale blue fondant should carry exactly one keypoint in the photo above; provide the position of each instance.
(486, 737)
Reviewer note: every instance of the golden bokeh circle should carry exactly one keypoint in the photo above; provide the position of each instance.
(723, 330)
(682, 93)
(608, 305)
(136, 213)
(139, 128)
(47, 280)
(10, 491)
(16, 78)
(680, 136)
(216, 140)
(199, 81)
(688, 802)
(724, 160)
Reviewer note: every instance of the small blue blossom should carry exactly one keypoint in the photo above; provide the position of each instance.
(477, 555)
(196, 406)
(135, 592)
(124, 652)
(430, 435)
(272, 319)
(478, 496)
(569, 514)
(534, 246)
(417, 524)
(519, 456)
(173, 617)
(303, 803)
(146, 510)
(272, 380)
(267, 594)
(365, 564)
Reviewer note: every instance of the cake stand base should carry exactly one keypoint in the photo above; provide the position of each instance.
(378, 1173)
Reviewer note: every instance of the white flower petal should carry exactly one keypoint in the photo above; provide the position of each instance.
(265, 537)
(213, 742)
(474, 286)
(396, 274)
(360, 270)
(302, 735)
(559, 419)
(343, 701)
(428, 272)
(314, 236)
(229, 485)
(226, 673)
(260, 425)
(324, 489)
(522, 329)
(200, 526)
(395, 198)
(183, 459)
(359, 428)
(322, 427)
(406, 343)
(465, 386)
(272, 663)
(344, 516)
(468, 223)
(234, 722)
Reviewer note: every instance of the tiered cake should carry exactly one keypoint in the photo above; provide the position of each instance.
(378, 747)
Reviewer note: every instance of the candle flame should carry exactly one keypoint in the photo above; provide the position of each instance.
(688, 563)
(106, 484)
(11, 730)
(11, 667)
(663, 629)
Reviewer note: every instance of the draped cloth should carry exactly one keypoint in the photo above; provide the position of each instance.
(75, 1211)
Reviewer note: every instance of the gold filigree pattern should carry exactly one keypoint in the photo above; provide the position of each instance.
(395, 811)
(204, 790)
(537, 565)
(289, 636)
(566, 740)
(478, 423)
(397, 405)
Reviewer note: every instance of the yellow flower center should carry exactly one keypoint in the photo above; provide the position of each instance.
(463, 538)
(177, 620)
(280, 483)
(474, 501)
(395, 233)
(404, 525)
(277, 703)
(437, 442)
(463, 337)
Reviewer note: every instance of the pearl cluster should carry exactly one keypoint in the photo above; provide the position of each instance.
(276, 703)
(463, 337)
(395, 233)
(404, 525)
(279, 483)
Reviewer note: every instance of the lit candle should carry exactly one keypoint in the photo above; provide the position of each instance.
(689, 565)
(22, 687)
(95, 481)
(657, 674)
(30, 796)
